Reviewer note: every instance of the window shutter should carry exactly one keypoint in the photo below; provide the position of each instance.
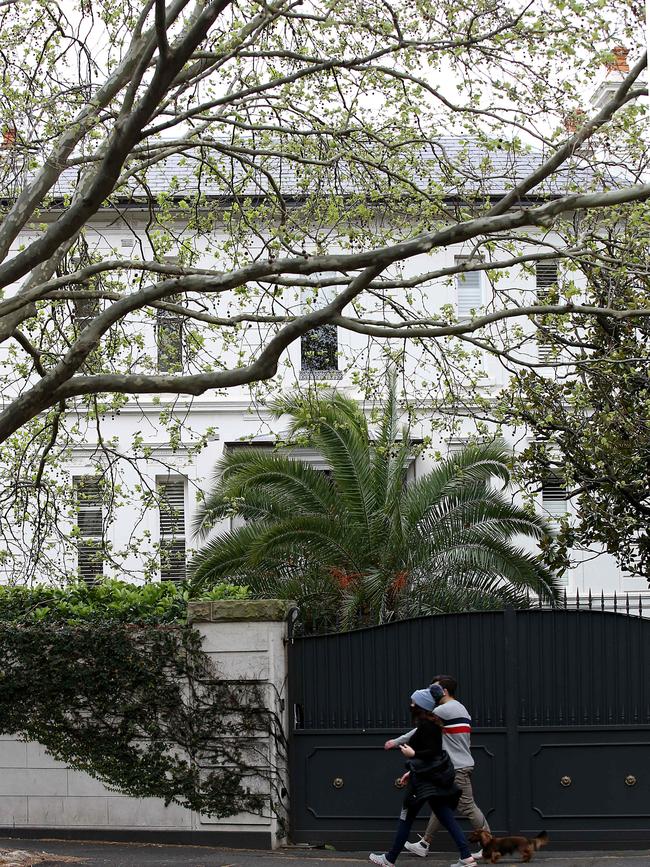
(172, 561)
(90, 523)
(554, 495)
(546, 278)
(172, 529)
(469, 291)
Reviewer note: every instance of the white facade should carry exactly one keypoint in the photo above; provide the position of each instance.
(161, 454)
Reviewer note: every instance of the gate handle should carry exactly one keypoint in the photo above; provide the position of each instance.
(630, 780)
(566, 781)
(337, 782)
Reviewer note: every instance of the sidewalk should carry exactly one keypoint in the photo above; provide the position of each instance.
(95, 854)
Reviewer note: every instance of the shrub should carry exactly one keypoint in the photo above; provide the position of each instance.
(108, 600)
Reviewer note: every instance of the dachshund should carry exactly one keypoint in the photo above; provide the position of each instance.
(495, 847)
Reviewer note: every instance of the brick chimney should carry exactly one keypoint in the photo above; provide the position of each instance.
(9, 136)
(614, 73)
(574, 120)
(619, 63)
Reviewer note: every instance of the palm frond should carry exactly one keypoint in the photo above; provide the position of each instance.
(226, 556)
(369, 546)
(289, 486)
(310, 538)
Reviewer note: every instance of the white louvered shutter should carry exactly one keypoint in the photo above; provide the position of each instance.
(546, 277)
(172, 529)
(554, 496)
(469, 291)
(90, 523)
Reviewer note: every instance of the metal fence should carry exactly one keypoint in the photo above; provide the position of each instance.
(633, 604)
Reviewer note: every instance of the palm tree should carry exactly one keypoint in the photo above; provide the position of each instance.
(357, 545)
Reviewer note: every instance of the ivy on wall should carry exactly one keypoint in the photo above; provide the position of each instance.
(140, 707)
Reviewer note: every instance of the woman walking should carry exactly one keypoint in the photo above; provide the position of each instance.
(430, 778)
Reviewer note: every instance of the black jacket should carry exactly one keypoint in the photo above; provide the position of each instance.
(431, 771)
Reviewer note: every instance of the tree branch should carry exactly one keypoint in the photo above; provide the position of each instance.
(573, 142)
(161, 30)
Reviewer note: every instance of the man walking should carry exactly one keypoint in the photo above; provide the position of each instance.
(456, 731)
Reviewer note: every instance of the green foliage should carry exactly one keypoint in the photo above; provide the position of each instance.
(139, 707)
(327, 128)
(592, 429)
(108, 600)
(361, 546)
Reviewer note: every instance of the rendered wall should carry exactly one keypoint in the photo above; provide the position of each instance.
(246, 641)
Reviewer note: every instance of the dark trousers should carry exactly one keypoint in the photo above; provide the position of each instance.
(445, 816)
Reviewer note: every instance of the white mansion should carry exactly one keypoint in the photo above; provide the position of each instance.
(171, 444)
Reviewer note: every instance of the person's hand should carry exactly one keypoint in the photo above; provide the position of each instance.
(403, 780)
(407, 751)
(389, 745)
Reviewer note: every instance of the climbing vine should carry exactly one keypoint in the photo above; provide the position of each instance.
(142, 708)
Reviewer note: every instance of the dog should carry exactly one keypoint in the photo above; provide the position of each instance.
(495, 847)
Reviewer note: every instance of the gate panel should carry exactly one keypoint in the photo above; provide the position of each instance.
(561, 707)
(344, 793)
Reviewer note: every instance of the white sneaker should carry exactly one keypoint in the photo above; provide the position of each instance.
(478, 856)
(465, 862)
(380, 859)
(420, 848)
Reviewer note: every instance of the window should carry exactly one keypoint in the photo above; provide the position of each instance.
(554, 495)
(169, 341)
(319, 348)
(172, 528)
(84, 312)
(170, 331)
(319, 351)
(546, 278)
(90, 524)
(469, 290)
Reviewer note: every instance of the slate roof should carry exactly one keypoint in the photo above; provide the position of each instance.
(459, 167)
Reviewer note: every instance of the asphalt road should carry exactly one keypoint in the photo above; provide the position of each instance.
(145, 855)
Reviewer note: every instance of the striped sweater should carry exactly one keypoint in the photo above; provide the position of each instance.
(456, 731)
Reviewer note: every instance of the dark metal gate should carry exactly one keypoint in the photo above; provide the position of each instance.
(560, 702)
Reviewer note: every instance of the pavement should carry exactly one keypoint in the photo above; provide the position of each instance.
(100, 854)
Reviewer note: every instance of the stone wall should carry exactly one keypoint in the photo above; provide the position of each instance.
(246, 641)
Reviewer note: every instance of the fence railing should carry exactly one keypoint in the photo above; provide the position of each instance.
(632, 604)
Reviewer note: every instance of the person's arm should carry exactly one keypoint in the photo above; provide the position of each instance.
(426, 742)
(402, 739)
